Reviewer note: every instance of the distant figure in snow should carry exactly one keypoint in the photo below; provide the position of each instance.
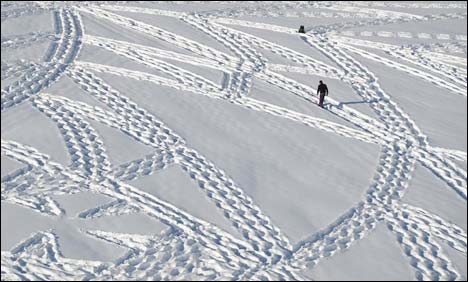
(323, 91)
(301, 29)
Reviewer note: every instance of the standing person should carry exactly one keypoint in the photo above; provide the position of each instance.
(323, 91)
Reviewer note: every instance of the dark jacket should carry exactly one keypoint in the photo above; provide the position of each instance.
(322, 89)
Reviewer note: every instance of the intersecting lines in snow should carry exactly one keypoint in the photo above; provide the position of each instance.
(192, 248)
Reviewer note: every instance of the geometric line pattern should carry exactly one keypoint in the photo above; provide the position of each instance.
(193, 248)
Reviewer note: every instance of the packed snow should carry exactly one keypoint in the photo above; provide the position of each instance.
(182, 140)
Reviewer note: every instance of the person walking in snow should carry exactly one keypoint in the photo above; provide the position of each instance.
(322, 89)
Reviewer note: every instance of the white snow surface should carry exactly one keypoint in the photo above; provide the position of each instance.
(181, 140)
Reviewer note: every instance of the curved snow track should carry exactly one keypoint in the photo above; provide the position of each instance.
(193, 248)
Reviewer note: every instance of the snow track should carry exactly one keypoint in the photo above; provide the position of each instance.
(33, 82)
(236, 206)
(22, 41)
(191, 248)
